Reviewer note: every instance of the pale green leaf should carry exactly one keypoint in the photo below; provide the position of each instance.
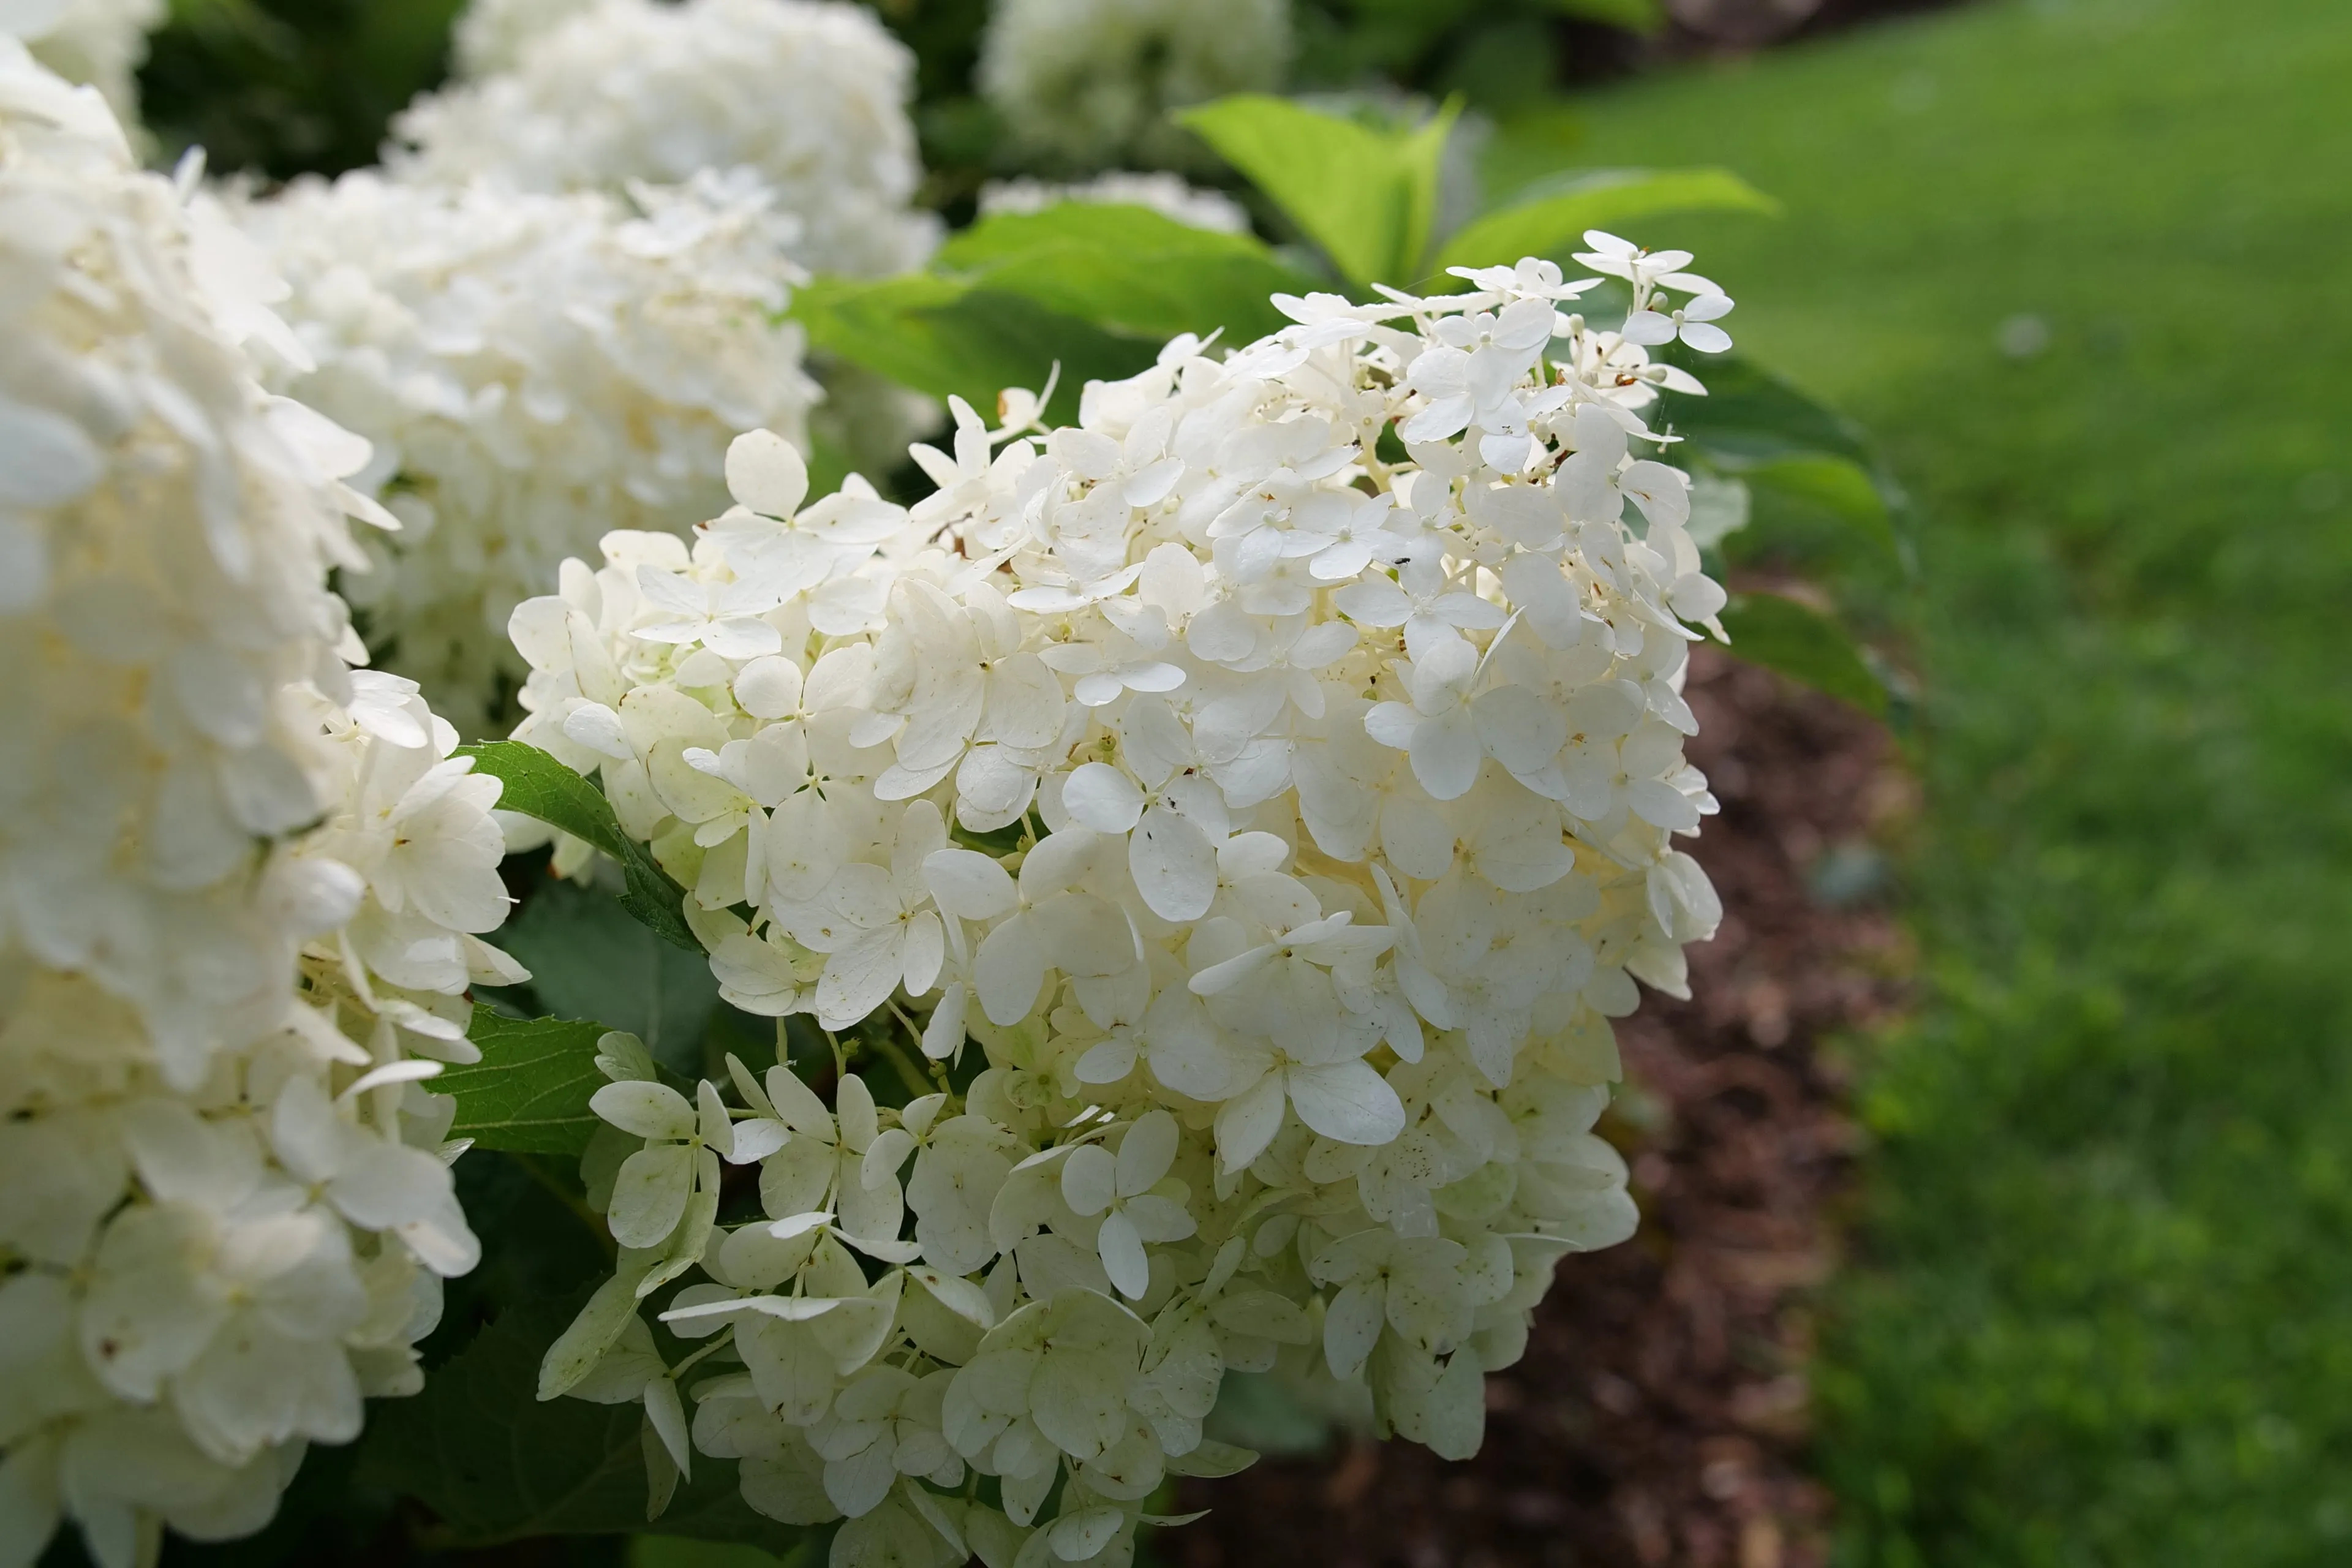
(1367, 196)
(1553, 224)
(1128, 269)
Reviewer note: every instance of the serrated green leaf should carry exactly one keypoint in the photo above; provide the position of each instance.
(1805, 645)
(495, 1465)
(1553, 224)
(1128, 269)
(947, 336)
(588, 959)
(1367, 196)
(540, 786)
(530, 1091)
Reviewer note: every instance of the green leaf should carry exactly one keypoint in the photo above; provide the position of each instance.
(1634, 16)
(1751, 416)
(1839, 486)
(947, 336)
(1128, 269)
(495, 1465)
(540, 786)
(1367, 196)
(1805, 645)
(530, 1091)
(589, 959)
(1553, 224)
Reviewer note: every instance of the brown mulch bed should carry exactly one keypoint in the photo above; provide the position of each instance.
(1660, 1414)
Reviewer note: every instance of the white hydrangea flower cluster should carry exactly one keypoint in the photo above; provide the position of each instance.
(242, 886)
(1279, 774)
(493, 36)
(1084, 83)
(811, 94)
(533, 370)
(99, 43)
(1163, 193)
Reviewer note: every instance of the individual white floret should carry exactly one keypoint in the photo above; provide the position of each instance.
(1282, 823)
(810, 95)
(1080, 84)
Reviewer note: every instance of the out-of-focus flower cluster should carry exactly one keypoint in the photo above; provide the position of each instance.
(98, 43)
(810, 94)
(1082, 83)
(1163, 193)
(532, 369)
(493, 36)
(552, 312)
(1278, 775)
(242, 886)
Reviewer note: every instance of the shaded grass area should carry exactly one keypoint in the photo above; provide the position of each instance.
(2080, 265)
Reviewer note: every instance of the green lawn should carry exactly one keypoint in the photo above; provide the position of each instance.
(2101, 1306)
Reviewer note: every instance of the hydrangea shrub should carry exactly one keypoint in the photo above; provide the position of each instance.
(1250, 806)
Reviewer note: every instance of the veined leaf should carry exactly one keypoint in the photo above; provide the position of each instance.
(1805, 645)
(530, 1091)
(540, 786)
(1366, 196)
(495, 1465)
(1128, 269)
(1554, 224)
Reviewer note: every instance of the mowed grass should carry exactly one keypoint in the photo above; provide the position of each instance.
(2084, 266)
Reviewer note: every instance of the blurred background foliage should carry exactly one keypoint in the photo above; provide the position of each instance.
(281, 88)
(2075, 265)
(2099, 1310)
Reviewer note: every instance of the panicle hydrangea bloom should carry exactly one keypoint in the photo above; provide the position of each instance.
(1163, 193)
(1082, 83)
(242, 886)
(532, 369)
(811, 94)
(494, 35)
(1279, 774)
(99, 43)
